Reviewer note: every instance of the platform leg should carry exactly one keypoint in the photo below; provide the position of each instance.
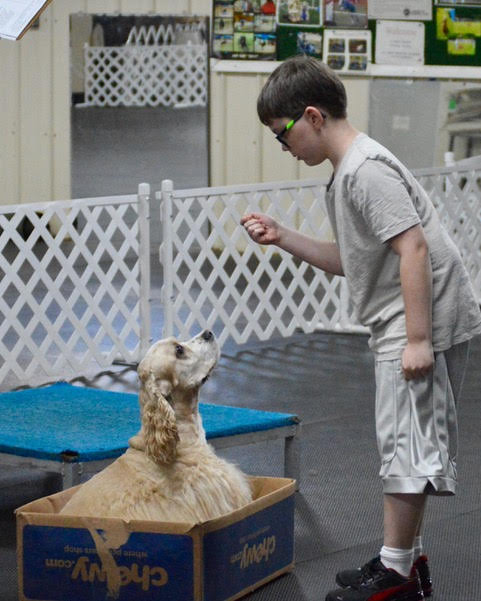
(71, 474)
(292, 457)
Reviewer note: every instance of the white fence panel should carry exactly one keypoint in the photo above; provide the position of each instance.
(131, 75)
(456, 193)
(214, 278)
(162, 34)
(74, 287)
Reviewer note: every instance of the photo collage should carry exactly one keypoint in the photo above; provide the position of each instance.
(275, 29)
(343, 33)
(244, 29)
(460, 31)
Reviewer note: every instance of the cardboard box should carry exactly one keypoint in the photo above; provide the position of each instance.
(62, 558)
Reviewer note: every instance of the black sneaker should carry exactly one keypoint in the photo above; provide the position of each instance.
(377, 583)
(421, 565)
(352, 577)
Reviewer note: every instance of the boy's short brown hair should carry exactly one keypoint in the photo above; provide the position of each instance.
(298, 82)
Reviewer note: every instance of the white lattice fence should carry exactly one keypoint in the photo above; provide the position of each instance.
(146, 75)
(456, 193)
(74, 287)
(164, 34)
(213, 278)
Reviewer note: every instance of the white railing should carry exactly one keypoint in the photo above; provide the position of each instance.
(157, 35)
(456, 193)
(75, 275)
(214, 278)
(74, 287)
(170, 75)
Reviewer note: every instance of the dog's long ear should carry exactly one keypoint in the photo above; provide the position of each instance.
(159, 426)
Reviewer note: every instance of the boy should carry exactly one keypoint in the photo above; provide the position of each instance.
(407, 284)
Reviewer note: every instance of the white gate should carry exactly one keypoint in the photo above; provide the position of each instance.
(170, 75)
(215, 278)
(74, 287)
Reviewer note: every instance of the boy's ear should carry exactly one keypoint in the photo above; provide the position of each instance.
(314, 115)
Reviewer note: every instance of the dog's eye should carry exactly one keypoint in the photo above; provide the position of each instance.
(179, 350)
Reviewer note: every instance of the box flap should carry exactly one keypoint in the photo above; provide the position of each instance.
(265, 490)
(46, 511)
(51, 504)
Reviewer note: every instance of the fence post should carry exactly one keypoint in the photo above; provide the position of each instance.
(344, 320)
(144, 264)
(166, 256)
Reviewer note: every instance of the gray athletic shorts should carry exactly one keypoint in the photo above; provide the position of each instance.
(416, 424)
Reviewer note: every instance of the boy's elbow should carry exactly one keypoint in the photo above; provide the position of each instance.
(412, 241)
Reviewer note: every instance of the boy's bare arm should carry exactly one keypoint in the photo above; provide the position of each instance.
(265, 230)
(416, 284)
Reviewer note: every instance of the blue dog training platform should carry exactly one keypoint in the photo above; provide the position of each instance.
(71, 430)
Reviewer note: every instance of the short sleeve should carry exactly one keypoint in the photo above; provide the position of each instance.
(382, 197)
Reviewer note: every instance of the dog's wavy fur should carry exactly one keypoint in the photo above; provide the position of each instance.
(169, 472)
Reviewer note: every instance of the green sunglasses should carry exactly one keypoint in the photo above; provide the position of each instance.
(280, 135)
(290, 125)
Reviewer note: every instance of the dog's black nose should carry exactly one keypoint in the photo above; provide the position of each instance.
(207, 335)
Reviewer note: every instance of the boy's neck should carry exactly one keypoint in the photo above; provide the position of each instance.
(343, 135)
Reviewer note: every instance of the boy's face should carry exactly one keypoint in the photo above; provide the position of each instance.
(301, 138)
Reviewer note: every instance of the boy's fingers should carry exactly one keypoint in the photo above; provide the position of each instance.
(253, 224)
(250, 217)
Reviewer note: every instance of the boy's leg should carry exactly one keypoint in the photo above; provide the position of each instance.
(402, 517)
(417, 438)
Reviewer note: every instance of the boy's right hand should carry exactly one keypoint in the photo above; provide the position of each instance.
(261, 228)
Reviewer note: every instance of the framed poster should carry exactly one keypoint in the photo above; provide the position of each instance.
(450, 25)
(345, 13)
(244, 29)
(297, 13)
(298, 40)
(420, 10)
(399, 43)
(347, 50)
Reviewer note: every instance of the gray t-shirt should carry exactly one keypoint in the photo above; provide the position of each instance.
(371, 198)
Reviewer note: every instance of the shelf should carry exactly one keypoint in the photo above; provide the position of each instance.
(409, 72)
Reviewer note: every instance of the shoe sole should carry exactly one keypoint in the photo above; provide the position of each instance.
(426, 592)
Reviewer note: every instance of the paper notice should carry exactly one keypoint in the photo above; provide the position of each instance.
(16, 16)
(417, 10)
(399, 43)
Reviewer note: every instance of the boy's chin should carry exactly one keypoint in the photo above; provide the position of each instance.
(311, 162)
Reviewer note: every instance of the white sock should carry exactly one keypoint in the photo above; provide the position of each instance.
(400, 560)
(418, 547)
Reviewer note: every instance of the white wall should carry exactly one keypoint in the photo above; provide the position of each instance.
(35, 107)
(35, 97)
(245, 151)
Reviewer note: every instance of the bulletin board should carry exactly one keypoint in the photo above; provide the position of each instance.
(451, 33)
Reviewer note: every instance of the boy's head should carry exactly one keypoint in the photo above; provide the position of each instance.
(299, 82)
